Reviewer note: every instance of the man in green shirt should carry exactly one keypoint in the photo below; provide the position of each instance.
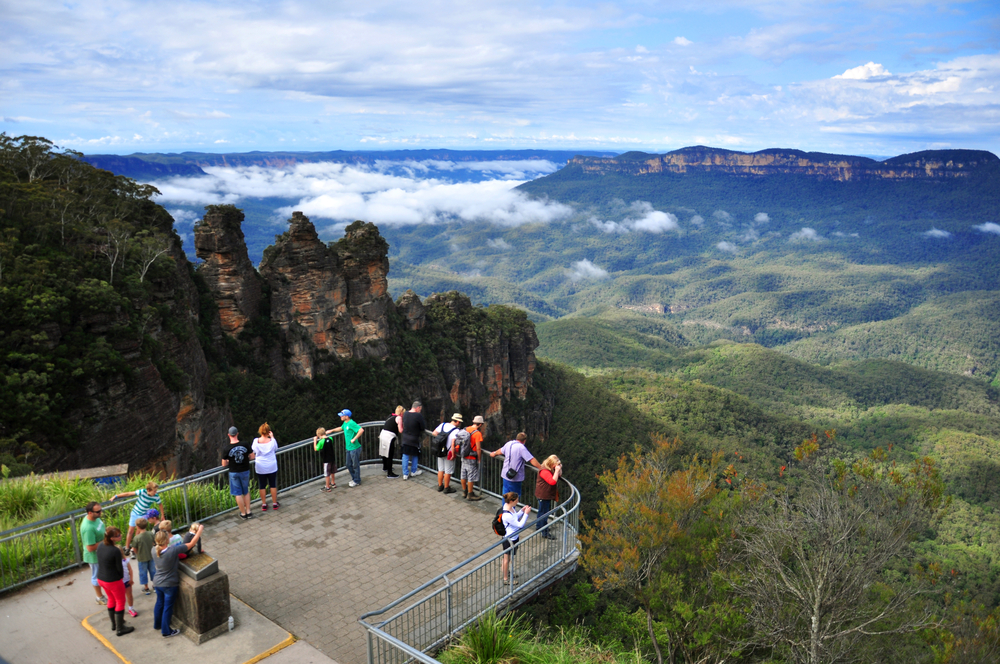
(352, 432)
(92, 534)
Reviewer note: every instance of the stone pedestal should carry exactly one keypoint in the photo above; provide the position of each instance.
(202, 605)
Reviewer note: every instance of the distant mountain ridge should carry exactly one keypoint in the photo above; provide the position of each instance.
(935, 164)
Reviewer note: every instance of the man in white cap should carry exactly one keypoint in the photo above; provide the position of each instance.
(471, 458)
(446, 464)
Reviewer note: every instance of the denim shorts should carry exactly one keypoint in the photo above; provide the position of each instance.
(239, 483)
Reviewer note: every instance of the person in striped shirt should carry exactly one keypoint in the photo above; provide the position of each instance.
(145, 499)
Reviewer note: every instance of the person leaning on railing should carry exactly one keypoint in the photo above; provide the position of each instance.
(515, 457)
(546, 492)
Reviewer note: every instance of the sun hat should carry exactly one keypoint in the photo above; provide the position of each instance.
(457, 417)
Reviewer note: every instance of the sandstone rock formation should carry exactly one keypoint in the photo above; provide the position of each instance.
(219, 241)
(412, 309)
(920, 165)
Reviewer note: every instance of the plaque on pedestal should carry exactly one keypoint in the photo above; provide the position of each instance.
(202, 605)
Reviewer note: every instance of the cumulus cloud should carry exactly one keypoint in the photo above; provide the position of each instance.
(728, 247)
(936, 233)
(751, 235)
(682, 41)
(870, 70)
(761, 218)
(341, 192)
(586, 270)
(988, 227)
(650, 220)
(722, 216)
(697, 220)
(498, 243)
(805, 235)
(183, 217)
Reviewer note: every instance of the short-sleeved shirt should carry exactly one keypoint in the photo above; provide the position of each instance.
(515, 455)
(143, 545)
(91, 532)
(144, 501)
(109, 563)
(264, 455)
(167, 575)
(351, 429)
(414, 426)
(328, 453)
(239, 458)
(476, 439)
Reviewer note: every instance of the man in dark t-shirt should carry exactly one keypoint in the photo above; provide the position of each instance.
(237, 460)
(414, 426)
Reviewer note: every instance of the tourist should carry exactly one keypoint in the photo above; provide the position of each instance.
(237, 460)
(190, 535)
(166, 526)
(352, 432)
(446, 464)
(144, 501)
(471, 458)
(91, 534)
(513, 523)
(545, 492)
(414, 427)
(264, 450)
(144, 554)
(110, 575)
(168, 579)
(152, 521)
(127, 576)
(323, 444)
(387, 440)
(515, 457)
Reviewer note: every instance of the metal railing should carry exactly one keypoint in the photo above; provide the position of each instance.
(427, 618)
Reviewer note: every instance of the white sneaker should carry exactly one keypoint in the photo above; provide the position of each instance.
(418, 472)
(351, 484)
(406, 477)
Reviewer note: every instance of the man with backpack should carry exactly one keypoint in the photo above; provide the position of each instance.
(470, 452)
(446, 444)
(515, 456)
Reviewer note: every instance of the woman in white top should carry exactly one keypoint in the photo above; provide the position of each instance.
(264, 448)
(513, 521)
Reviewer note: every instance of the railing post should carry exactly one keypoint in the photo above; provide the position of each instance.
(78, 557)
(447, 585)
(187, 505)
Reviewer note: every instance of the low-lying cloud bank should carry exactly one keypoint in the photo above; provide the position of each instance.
(395, 194)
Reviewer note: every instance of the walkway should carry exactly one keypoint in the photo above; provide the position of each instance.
(324, 559)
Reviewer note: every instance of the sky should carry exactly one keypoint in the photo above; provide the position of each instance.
(876, 77)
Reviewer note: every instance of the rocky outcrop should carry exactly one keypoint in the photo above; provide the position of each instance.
(330, 302)
(933, 164)
(219, 242)
(412, 310)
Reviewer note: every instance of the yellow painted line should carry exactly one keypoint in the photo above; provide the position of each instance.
(270, 651)
(100, 637)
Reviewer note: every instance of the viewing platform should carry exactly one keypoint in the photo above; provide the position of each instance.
(414, 564)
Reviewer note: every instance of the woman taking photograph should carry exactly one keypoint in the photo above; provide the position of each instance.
(513, 521)
(264, 449)
(167, 578)
(111, 577)
(545, 492)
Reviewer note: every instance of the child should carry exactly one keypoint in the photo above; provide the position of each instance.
(143, 542)
(191, 533)
(153, 521)
(323, 444)
(145, 499)
(167, 527)
(127, 580)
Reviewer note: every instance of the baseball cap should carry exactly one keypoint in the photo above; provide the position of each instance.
(233, 431)
(152, 514)
(478, 419)
(344, 413)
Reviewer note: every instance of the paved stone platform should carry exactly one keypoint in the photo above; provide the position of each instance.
(323, 559)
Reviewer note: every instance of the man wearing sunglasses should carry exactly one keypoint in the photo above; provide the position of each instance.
(92, 534)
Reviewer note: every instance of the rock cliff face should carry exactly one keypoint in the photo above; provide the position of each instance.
(330, 303)
(939, 164)
(219, 241)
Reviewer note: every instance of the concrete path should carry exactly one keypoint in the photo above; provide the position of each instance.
(324, 559)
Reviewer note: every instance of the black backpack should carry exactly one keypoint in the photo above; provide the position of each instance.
(498, 527)
(439, 443)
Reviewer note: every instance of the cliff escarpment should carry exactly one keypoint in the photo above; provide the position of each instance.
(931, 164)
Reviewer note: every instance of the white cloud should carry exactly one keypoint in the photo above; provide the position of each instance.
(498, 243)
(697, 220)
(936, 233)
(864, 72)
(728, 247)
(586, 270)
(761, 218)
(650, 220)
(722, 216)
(751, 235)
(988, 227)
(805, 235)
(184, 217)
(682, 41)
(842, 234)
(341, 192)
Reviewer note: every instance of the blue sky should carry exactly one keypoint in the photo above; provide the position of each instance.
(881, 77)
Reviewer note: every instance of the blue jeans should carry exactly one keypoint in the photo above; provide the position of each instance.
(409, 461)
(146, 570)
(509, 486)
(163, 610)
(544, 507)
(354, 464)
